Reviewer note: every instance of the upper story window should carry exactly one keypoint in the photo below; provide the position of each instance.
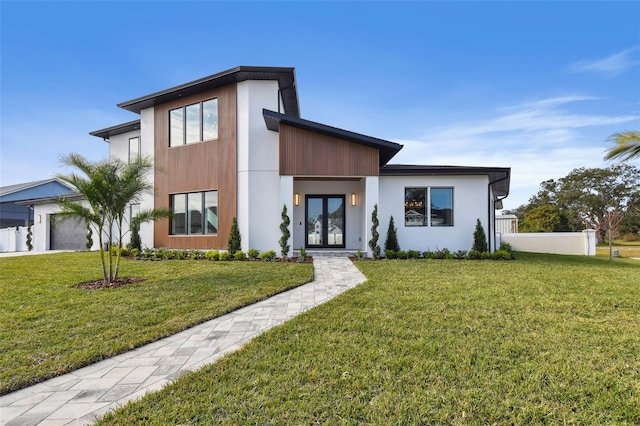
(428, 207)
(134, 149)
(193, 123)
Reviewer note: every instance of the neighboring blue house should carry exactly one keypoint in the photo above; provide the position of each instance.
(12, 214)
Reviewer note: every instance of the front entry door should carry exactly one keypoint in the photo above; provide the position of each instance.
(325, 221)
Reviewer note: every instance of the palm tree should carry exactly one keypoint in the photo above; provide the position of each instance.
(108, 188)
(627, 146)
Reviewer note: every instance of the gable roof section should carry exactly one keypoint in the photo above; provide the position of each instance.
(36, 189)
(116, 130)
(499, 177)
(284, 75)
(386, 148)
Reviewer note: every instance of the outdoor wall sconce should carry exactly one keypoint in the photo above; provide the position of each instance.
(296, 199)
(353, 199)
(39, 219)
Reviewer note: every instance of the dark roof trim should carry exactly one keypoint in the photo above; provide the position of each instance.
(50, 200)
(117, 129)
(284, 75)
(499, 177)
(387, 149)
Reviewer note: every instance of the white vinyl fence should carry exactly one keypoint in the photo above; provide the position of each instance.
(13, 239)
(579, 243)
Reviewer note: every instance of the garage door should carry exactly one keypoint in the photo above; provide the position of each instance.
(67, 234)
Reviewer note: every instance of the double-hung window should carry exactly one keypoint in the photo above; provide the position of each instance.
(194, 213)
(428, 206)
(193, 123)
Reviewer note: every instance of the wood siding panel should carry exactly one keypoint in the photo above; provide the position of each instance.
(304, 153)
(203, 166)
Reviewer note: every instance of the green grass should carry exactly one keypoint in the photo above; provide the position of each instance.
(625, 249)
(48, 328)
(544, 339)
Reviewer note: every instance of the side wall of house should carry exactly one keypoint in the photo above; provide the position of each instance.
(197, 167)
(470, 202)
(259, 198)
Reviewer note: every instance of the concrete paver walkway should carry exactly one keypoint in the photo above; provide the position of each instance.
(77, 398)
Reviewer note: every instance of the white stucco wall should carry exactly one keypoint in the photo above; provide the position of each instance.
(470, 202)
(259, 198)
(42, 228)
(119, 148)
(576, 243)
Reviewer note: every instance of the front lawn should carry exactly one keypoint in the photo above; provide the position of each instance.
(49, 328)
(544, 339)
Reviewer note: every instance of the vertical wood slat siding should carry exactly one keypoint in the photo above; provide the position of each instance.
(203, 166)
(306, 153)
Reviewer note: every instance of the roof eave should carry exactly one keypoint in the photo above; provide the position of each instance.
(386, 148)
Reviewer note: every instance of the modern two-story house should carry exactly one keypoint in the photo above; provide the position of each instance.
(233, 144)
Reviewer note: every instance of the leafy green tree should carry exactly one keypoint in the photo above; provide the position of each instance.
(479, 238)
(585, 195)
(235, 240)
(108, 187)
(391, 243)
(284, 228)
(627, 146)
(543, 218)
(373, 242)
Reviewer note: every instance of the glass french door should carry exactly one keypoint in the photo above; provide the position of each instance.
(325, 221)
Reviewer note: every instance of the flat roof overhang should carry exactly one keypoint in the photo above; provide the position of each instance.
(116, 130)
(285, 76)
(386, 148)
(499, 177)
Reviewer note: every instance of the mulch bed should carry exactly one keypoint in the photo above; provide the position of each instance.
(98, 285)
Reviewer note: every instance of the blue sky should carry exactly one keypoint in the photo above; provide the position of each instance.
(535, 86)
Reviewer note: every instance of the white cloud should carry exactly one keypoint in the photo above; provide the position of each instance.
(539, 140)
(611, 65)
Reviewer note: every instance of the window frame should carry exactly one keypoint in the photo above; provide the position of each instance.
(184, 123)
(139, 154)
(187, 226)
(427, 208)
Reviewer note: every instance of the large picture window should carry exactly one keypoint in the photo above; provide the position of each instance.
(195, 213)
(428, 206)
(193, 123)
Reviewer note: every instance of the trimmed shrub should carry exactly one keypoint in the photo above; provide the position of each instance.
(268, 256)
(486, 255)
(506, 247)
(181, 254)
(253, 254)
(428, 254)
(212, 255)
(359, 254)
(124, 252)
(239, 255)
(373, 242)
(235, 240)
(480, 238)
(89, 242)
(148, 253)
(442, 254)
(391, 243)
(475, 255)
(501, 255)
(460, 254)
(225, 256)
(284, 229)
(135, 252)
(402, 254)
(390, 254)
(413, 254)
